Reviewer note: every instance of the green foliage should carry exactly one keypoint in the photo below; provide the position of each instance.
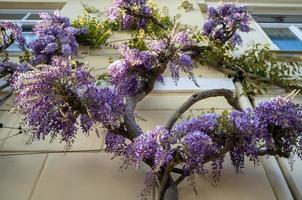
(163, 17)
(258, 67)
(98, 31)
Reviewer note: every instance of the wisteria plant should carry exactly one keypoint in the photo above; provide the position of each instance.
(57, 95)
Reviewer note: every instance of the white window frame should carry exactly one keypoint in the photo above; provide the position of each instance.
(23, 21)
(293, 27)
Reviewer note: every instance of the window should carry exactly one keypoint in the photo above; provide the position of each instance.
(285, 31)
(26, 18)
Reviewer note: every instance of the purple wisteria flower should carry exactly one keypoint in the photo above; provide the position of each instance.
(10, 33)
(56, 36)
(115, 143)
(123, 11)
(11, 67)
(157, 46)
(182, 38)
(223, 22)
(52, 98)
(275, 125)
(154, 145)
(203, 123)
(124, 73)
(181, 61)
(197, 146)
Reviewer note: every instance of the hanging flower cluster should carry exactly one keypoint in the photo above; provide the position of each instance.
(52, 98)
(272, 128)
(131, 14)
(127, 74)
(275, 124)
(56, 36)
(10, 33)
(197, 142)
(223, 22)
(155, 146)
(182, 61)
(11, 67)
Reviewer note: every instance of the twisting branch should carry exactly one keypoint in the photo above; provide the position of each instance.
(163, 184)
(129, 117)
(132, 127)
(228, 94)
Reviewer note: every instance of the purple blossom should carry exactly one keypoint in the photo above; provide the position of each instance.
(181, 62)
(182, 38)
(198, 145)
(185, 60)
(11, 31)
(123, 72)
(127, 22)
(157, 46)
(44, 99)
(224, 20)
(154, 145)
(277, 123)
(149, 182)
(120, 11)
(115, 143)
(204, 123)
(51, 48)
(54, 33)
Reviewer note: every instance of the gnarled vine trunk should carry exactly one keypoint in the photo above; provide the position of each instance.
(171, 192)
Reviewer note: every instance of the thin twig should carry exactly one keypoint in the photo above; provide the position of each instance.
(16, 134)
(29, 152)
(180, 179)
(177, 170)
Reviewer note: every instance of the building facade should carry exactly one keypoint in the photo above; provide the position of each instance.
(41, 171)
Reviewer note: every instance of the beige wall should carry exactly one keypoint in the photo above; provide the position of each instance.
(92, 175)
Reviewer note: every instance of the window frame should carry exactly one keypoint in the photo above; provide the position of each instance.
(23, 21)
(295, 28)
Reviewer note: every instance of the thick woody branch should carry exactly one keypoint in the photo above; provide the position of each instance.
(163, 184)
(129, 118)
(228, 94)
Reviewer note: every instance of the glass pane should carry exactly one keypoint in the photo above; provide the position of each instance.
(13, 47)
(11, 16)
(33, 16)
(29, 37)
(284, 38)
(277, 18)
(27, 27)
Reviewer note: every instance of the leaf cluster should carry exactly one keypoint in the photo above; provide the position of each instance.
(98, 31)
